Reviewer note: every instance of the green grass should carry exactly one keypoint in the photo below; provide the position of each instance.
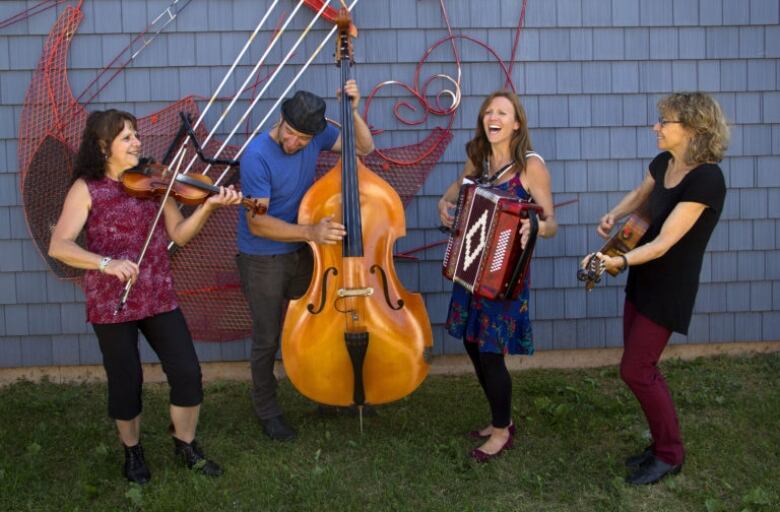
(58, 450)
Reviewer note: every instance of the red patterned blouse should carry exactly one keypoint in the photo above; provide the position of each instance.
(117, 226)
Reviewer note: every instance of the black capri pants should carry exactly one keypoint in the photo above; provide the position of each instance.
(169, 337)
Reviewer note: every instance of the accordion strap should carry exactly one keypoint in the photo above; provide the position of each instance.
(484, 180)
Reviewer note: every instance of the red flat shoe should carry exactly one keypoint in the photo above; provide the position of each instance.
(475, 434)
(480, 456)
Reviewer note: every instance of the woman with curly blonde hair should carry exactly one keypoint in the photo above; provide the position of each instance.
(683, 191)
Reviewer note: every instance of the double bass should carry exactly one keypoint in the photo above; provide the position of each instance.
(357, 336)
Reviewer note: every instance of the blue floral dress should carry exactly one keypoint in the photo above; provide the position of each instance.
(499, 326)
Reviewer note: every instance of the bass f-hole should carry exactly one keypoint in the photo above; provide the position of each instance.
(311, 307)
(400, 302)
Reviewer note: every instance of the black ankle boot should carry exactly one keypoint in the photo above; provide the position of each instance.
(194, 458)
(135, 465)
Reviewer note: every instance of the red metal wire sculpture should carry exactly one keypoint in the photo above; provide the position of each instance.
(204, 271)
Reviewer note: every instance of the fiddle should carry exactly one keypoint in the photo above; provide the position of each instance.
(627, 237)
(150, 179)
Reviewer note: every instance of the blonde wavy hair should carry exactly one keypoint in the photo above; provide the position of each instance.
(702, 115)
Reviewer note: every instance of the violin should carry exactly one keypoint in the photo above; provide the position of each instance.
(626, 238)
(150, 179)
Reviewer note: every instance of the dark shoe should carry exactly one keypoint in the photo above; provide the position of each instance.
(277, 429)
(475, 434)
(652, 472)
(135, 465)
(194, 459)
(636, 461)
(480, 456)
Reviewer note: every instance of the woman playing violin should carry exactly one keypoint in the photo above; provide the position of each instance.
(116, 227)
(685, 190)
(499, 155)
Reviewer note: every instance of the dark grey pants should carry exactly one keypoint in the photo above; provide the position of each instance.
(268, 282)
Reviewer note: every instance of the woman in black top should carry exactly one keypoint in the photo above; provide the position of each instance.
(684, 191)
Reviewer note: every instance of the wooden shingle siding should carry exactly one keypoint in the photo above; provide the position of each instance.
(589, 73)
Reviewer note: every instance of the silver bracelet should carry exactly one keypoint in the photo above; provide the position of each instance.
(104, 263)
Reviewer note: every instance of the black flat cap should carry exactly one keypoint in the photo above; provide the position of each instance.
(305, 112)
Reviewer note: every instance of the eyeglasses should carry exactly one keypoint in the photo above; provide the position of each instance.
(664, 122)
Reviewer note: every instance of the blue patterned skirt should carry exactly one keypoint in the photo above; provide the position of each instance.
(499, 326)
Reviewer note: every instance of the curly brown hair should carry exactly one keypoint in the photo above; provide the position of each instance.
(478, 148)
(102, 128)
(702, 115)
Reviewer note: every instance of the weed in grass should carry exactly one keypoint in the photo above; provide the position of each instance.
(135, 496)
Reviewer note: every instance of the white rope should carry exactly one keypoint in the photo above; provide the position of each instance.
(265, 87)
(182, 148)
(282, 95)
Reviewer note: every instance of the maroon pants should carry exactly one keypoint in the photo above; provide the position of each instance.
(643, 342)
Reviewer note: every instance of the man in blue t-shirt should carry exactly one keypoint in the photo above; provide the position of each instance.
(274, 261)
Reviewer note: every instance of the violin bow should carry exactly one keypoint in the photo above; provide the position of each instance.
(129, 284)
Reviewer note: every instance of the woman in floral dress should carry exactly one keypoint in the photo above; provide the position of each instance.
(500, 156)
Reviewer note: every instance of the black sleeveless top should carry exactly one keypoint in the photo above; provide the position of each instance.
(664, 289)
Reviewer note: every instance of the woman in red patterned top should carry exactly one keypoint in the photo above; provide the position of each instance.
(116, 228)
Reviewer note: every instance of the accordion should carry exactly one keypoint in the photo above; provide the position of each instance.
(483, 252)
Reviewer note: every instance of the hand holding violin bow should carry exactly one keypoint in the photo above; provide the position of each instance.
(124, 270)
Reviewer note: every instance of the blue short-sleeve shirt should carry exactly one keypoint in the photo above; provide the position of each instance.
(267, 171)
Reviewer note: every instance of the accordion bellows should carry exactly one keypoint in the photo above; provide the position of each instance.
(483, 252)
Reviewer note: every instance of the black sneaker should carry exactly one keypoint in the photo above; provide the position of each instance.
(652, 472)
(194, 459)
(135, 469)
(278, 429)
(640, 459)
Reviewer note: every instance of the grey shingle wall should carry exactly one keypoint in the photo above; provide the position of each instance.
(589, 71)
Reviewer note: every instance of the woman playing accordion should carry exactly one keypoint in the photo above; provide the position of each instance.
(500, 156)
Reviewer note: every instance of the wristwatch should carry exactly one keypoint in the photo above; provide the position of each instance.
(104, 263)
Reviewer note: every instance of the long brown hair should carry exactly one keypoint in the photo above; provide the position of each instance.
(102, 128)
(478, 148)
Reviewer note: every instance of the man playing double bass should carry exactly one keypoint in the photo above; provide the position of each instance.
(274, 262)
